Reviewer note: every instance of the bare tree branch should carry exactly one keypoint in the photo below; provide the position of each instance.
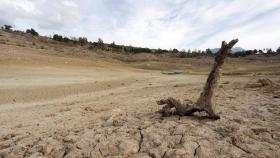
(206, 100)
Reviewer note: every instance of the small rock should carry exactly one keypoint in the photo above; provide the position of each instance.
(264, 82)
(88, 108)
(129, 147)
(226, 82)
(53, 148)
(257, 131)
(50, 115)
(118, 118)
(65, 109)
(69, 139)
(172, 72)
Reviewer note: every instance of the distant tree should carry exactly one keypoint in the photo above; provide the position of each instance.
(8, 27)
(175, 50)
(100, 43)
(247, 52)
(140, 50)
(208, 52)
(58, 37)
(255, 51)
(239, 54)
(127, 48)
(182, 54)
(83, 41)
(74, 40)
(278, 50)
(269, 51)
(160, 51)
(32, 32)
(113, 44)
(116, 48)
(66, 39)
(194, 51)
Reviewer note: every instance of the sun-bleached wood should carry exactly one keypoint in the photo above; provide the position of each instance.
(206, 101)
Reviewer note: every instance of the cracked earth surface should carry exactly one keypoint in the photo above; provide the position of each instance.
(122, 122)
(78, 109)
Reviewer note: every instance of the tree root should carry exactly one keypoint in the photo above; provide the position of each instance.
(175, 107)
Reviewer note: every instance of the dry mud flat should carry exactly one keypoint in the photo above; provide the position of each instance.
(122, 122)
(67, 107)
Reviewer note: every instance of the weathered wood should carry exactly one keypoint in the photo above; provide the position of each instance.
(206, 101)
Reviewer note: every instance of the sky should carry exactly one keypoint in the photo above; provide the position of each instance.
(181, 24)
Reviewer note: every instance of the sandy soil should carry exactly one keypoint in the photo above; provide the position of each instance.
(64, 106)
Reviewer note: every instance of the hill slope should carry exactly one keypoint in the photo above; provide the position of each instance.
(66, 101)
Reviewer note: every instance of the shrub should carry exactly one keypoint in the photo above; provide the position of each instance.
(100, 44)
(32, 32)
(91, 47)
(161, 51)
(57, 37)
(208, 52)
(8, 27)
(66, 39)
(83, 41)
(175, 50)
(182, 54)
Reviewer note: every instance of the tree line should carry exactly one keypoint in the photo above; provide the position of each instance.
(100, 44)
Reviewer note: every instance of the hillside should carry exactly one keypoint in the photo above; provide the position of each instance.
(63, 100)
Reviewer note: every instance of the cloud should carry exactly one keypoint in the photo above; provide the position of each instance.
(167, 24)
(44, 15)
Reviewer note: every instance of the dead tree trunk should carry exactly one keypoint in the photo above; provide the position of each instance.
(206, 100)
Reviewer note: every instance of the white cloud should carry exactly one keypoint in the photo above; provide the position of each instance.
(44, 15)
(167, 24)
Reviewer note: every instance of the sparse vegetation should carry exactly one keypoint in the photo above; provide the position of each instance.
(8, 27)
(100, 44)
(82, 41)
(58, 38)
(32, 32)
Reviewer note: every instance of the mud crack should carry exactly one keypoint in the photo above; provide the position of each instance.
(164, 154)
(141, 140)
(195, 150)
(234, 143)
(241, 148)
(100, 152)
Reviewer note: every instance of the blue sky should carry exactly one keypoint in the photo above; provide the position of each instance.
(182, 24)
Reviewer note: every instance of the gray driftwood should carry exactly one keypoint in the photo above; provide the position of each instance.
(206, 100)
